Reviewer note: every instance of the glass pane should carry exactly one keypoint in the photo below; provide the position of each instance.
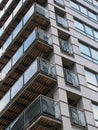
(89, 31)
(16, 87)
(95, 111)
(17, 8)
(18, 125)
(17, 29)
(8, 21)
(74, 5)
(4, 101)
(30, 71)
(75, 80)
(61, 2)
(82, 120)
(48, 107)
(79, 26)
(32, 111)
(17, 55)
(96, 35)
(28, 14)
(7, 43)
(91, 78)
(84, 49)
(92, 15)
(95, 2)
(94, 54)
(6, 68)
(29, 40)
(74, 116)
(83, 10)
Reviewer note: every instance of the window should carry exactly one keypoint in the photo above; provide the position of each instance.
(95, 112)
(92, 80)
(93, 2)
(89, 53)
(87, 30)
(79, 26)
(62, 22)
(60, 2)
(85, 11)
(74, 5)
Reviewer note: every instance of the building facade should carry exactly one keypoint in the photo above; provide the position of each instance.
(48, 64)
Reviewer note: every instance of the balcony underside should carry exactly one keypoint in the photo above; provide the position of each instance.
(36, 49)
(44, 123)
(8, 11)
(3, 3)
(39, 84)
(36, 19)
(28, 3)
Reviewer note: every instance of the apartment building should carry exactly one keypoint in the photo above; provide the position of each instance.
(48, 65)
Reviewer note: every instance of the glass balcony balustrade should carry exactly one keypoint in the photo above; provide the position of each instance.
(37, 34)
(38, 66)
(42, 106)
(35, 9)
(59, 2)
(66, 47)
(77, 117)
(62, 22)
(71, 78)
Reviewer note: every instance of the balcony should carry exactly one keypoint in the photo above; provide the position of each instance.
(59, 2)
(39, 43)
(43, 113)
(66, 47)
(39, 78)
(71, 78)
(77, 117)
(22, 31)
(37, 15)
(62, 22)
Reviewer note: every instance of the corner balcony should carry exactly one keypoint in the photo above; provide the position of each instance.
(77, 117)
(39, 43)
(36, 15)
(38, 79)
(71, 78)
(43, 113)
(66, 47)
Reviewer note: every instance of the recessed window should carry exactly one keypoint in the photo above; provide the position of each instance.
(92, 80)
(95, 112)
(79, 26)
(85, 11)
(89, 53)
(87, 30)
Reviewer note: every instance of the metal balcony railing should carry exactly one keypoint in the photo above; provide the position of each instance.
(66, 47)
(38, 66)
(71, 78)
(42, 106)
(77, 117)
(62, 22)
